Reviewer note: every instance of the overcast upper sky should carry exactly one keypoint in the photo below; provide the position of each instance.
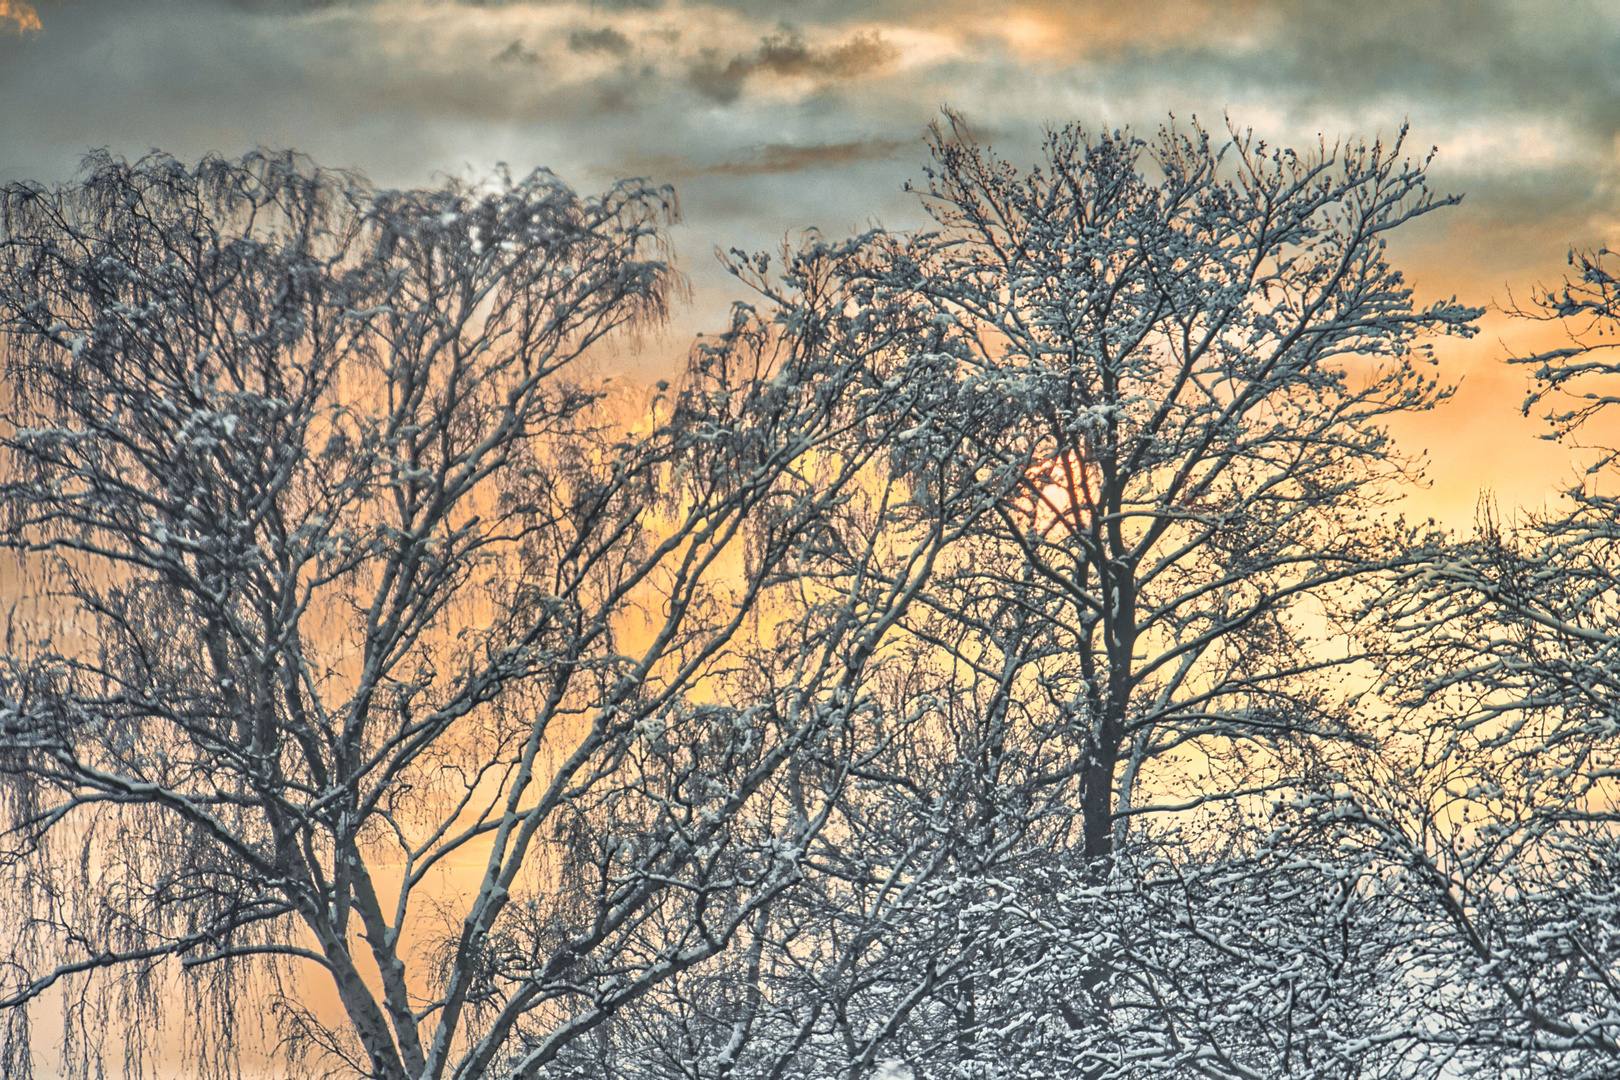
(771, 117)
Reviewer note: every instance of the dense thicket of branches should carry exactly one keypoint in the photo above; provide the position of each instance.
(991, 658)
(1505, 810)
(1178, 355)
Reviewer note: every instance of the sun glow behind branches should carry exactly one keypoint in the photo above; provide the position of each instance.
(1059, 493)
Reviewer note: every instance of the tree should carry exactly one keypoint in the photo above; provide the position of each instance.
(381, 653)
(1193, 369)
(1170, 365)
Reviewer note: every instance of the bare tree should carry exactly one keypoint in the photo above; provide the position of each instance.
(382, 653)
(1195, 343)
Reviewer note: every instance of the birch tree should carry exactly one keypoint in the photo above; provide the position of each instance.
(378, 652)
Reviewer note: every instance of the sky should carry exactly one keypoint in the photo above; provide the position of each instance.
(772, 117)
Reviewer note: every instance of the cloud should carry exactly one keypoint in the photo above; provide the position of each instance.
(787, 158)
(786, 55)
(722, 84)
(516, 53)
(605, 40)
(18, 16)
(1512, 90)
(771, 159)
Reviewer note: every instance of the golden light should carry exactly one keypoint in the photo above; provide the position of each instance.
(1062, 491)
(18, 16)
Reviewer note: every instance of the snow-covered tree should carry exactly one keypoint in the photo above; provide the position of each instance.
(1193, 343)
(370, 648)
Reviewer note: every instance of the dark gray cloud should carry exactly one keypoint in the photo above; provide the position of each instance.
(601, 40)
(786, 55)
(516, 52)
(718, 81)
(1560, 57)
(779, 158)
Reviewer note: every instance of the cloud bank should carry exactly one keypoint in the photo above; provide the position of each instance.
(774, 116)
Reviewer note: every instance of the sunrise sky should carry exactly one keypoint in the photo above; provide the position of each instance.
(770, 117)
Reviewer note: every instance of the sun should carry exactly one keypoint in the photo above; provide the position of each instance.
(1058, 495)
